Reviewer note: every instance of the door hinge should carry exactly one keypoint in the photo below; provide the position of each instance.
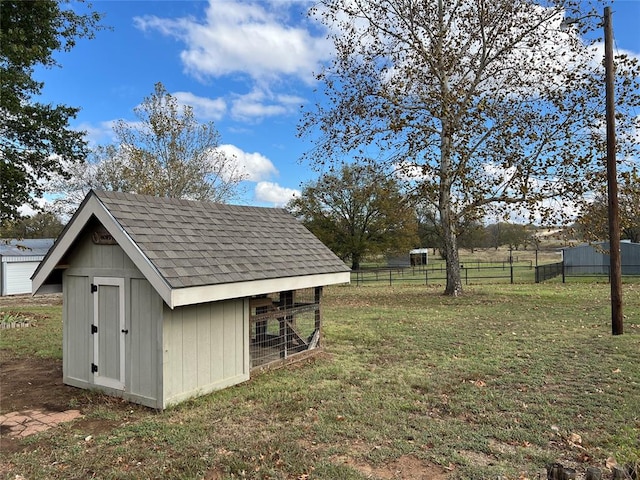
(94, 329)
(94, 288)
(94, 368)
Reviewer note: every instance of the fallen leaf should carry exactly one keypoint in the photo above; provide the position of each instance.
(575, 438)
(617, 370)
(584, 457)
(610, 463)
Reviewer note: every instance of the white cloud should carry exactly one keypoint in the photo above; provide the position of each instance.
(257, 39)
(256, 166)
(27, 210)
(275, 194)
(204, 108)
(260, 103)
(98, 134)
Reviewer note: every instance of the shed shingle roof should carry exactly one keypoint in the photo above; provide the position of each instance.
(201, 243)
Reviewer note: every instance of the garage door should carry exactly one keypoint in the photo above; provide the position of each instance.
(17, 278)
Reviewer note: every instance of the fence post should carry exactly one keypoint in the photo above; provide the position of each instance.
(563, 274)
(511, 274)
(390, 283)
(426, 276)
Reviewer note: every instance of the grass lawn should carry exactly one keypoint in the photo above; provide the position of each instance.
(499, 382)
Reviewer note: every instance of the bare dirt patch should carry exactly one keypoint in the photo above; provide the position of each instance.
(30, 384)
(406, 467)
(33, 384)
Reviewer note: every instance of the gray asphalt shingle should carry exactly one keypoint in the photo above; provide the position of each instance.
(201, 243)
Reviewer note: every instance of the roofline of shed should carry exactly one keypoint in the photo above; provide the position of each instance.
(212, 293)
(173, 297)
(92, 206)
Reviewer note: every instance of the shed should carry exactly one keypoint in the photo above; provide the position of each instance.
(594, 258)
(166, 299)
(18, 260)
(419, 256)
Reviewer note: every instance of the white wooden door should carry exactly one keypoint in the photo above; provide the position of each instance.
(108, 332)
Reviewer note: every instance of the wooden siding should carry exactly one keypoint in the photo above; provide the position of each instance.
(205, 348)
(76, 335)
(143, 319)
(144, 347)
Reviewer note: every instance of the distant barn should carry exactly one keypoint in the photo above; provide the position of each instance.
(419, 256)
(18, 260)
(594, 259)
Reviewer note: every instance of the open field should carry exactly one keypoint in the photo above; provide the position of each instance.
(410, 385)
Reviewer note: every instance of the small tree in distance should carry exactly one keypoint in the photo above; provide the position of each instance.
(167, 152)
(357, 211)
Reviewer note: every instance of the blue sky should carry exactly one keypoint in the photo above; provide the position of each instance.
(248, 66)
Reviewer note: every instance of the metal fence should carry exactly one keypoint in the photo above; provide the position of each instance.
(470, 272)
(479, 272)
(546, 272)
(599, 272)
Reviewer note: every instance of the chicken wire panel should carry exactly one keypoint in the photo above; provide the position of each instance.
(283, 324)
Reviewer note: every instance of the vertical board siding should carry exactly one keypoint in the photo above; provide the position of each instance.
(217, 342)
(77, 341)
(143, 319)
(144, 324)
(190, 351)
(204, 346)
(172, 340)
(203, 329)
(230, 339)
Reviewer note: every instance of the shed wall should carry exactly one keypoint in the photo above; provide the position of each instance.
(205, 348)
(143, 320)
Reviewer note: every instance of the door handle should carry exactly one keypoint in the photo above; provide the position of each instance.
(124, 331)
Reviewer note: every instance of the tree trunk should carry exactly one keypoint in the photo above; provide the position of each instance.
(454, 282)
(355, 262)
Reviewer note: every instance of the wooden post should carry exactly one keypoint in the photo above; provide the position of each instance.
(286, 301)
(318, 314)
(612, 181)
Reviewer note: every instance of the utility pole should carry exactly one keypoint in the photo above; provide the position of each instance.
(612, 181)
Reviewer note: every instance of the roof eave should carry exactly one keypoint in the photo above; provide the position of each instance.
(211, 293)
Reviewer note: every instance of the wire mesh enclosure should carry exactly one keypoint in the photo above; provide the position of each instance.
(284, 324)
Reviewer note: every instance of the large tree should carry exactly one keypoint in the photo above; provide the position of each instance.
(35, 136)
(482, 104)
(166, 152)
(357, 211)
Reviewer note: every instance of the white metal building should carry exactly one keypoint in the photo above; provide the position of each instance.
(18, 260)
